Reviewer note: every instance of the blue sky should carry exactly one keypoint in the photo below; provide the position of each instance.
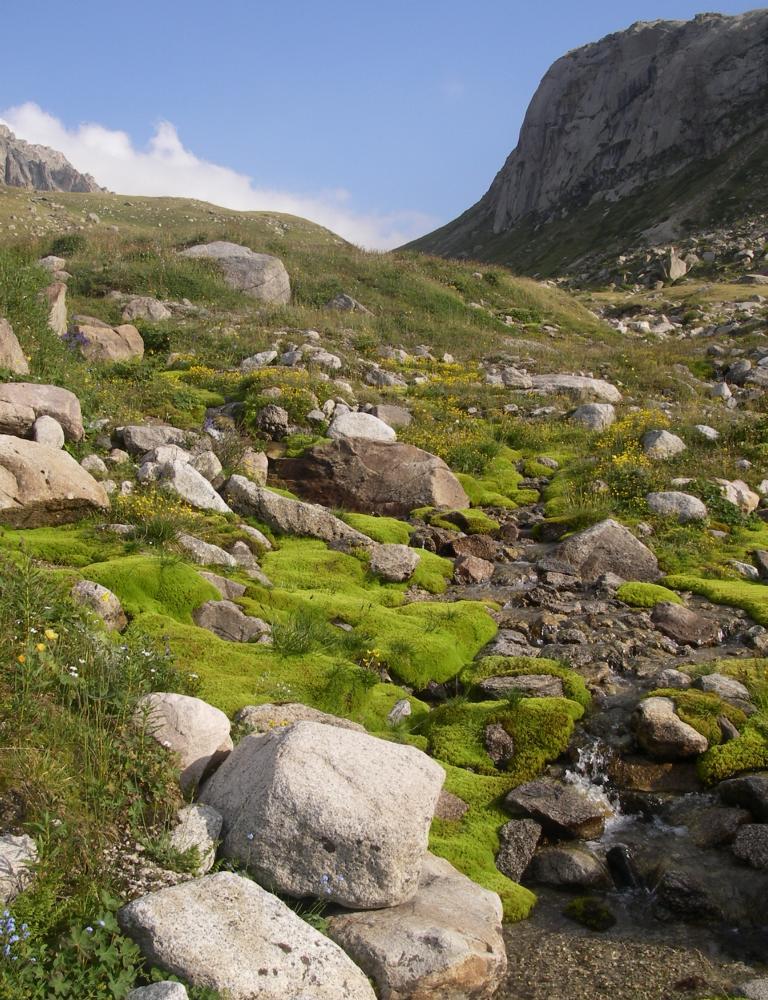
(397, 113)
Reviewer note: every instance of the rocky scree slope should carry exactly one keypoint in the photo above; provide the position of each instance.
(41, 168)
(561, 617)
(651, 131)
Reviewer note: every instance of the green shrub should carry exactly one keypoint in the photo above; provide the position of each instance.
(68, 245)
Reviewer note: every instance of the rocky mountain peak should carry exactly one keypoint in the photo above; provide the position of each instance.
(23, 164)
(637, 107)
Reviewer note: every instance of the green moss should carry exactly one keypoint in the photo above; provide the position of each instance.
(701, 709)
(534, 469)
(386, 530)
(471, 521)
(433, 573)
(515, 666)
(67, 545)
(147, 584)
(590, 912)
(540, 729)
(646, 595)
(750, 597)
(498, 485)
(749, 752)
(471, 843)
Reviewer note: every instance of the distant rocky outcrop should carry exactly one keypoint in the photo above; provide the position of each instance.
(39, 167)
(638, 131)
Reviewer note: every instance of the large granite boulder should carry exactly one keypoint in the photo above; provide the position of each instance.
(256, 274)
(446, 942)
(97, 341)
(607, 547)
(682, 506)
(224, 932)
(186, 482)
(312, 810)
(11, 355)
(195, 731)
(41, 486)
(290, 517)
(373, 476)
(21, 403)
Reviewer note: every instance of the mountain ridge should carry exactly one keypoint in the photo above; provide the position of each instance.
(40, 168)
(637, 108)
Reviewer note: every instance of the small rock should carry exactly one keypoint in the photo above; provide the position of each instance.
(102, 602)
(18, 855)
(198, 828)
(568, 866)
(662, 734)
(661, 445)
(470, 569)
(564, 811)
(518, 841)
(394, 563)
(751, 845)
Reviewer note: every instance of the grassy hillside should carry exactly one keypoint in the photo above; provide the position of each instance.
(75, 773)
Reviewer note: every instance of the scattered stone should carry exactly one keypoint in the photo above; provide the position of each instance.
(577, 386)
(594, 416)
(755, 989)
(102, 602)
(661, 445)
(394, 563)
(195, 731)
(570, 866)
(750, 791)
(518, 841)
(529, 685)
(146, 307)
(683, 506)
(318, 811)
(291, 517)
(198, 829)
(739, 493)
(94, 465)
(230, 590)
(98, 342)
(264, 718)
(227, 621)
(191, 486)
(564, 811)
(226, 933)
(727, 688)
(708, 433)
(450, 807)
(21, 403)
(345, 303)
(55, 297)
(470, 569)
(11, 355)
(400, 710)
(684, 626)
(395, 416)
(257, 275)
(203, 553)
(254, 465)
(48, 432)
(499, 745)
(445, 943)
(751, 845)
(159, 991)
(18, 855)
(607, 547)
(142, 438)
(361, 425)
(662, 734)
(44, 486)
(208, 465)
(671, 678)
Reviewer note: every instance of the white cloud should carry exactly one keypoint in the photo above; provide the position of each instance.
(165, 167)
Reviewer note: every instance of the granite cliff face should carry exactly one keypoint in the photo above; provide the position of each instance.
(639, 107)
(38, 167)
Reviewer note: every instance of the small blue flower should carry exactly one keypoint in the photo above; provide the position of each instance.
(89, 930)
(249, 836)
